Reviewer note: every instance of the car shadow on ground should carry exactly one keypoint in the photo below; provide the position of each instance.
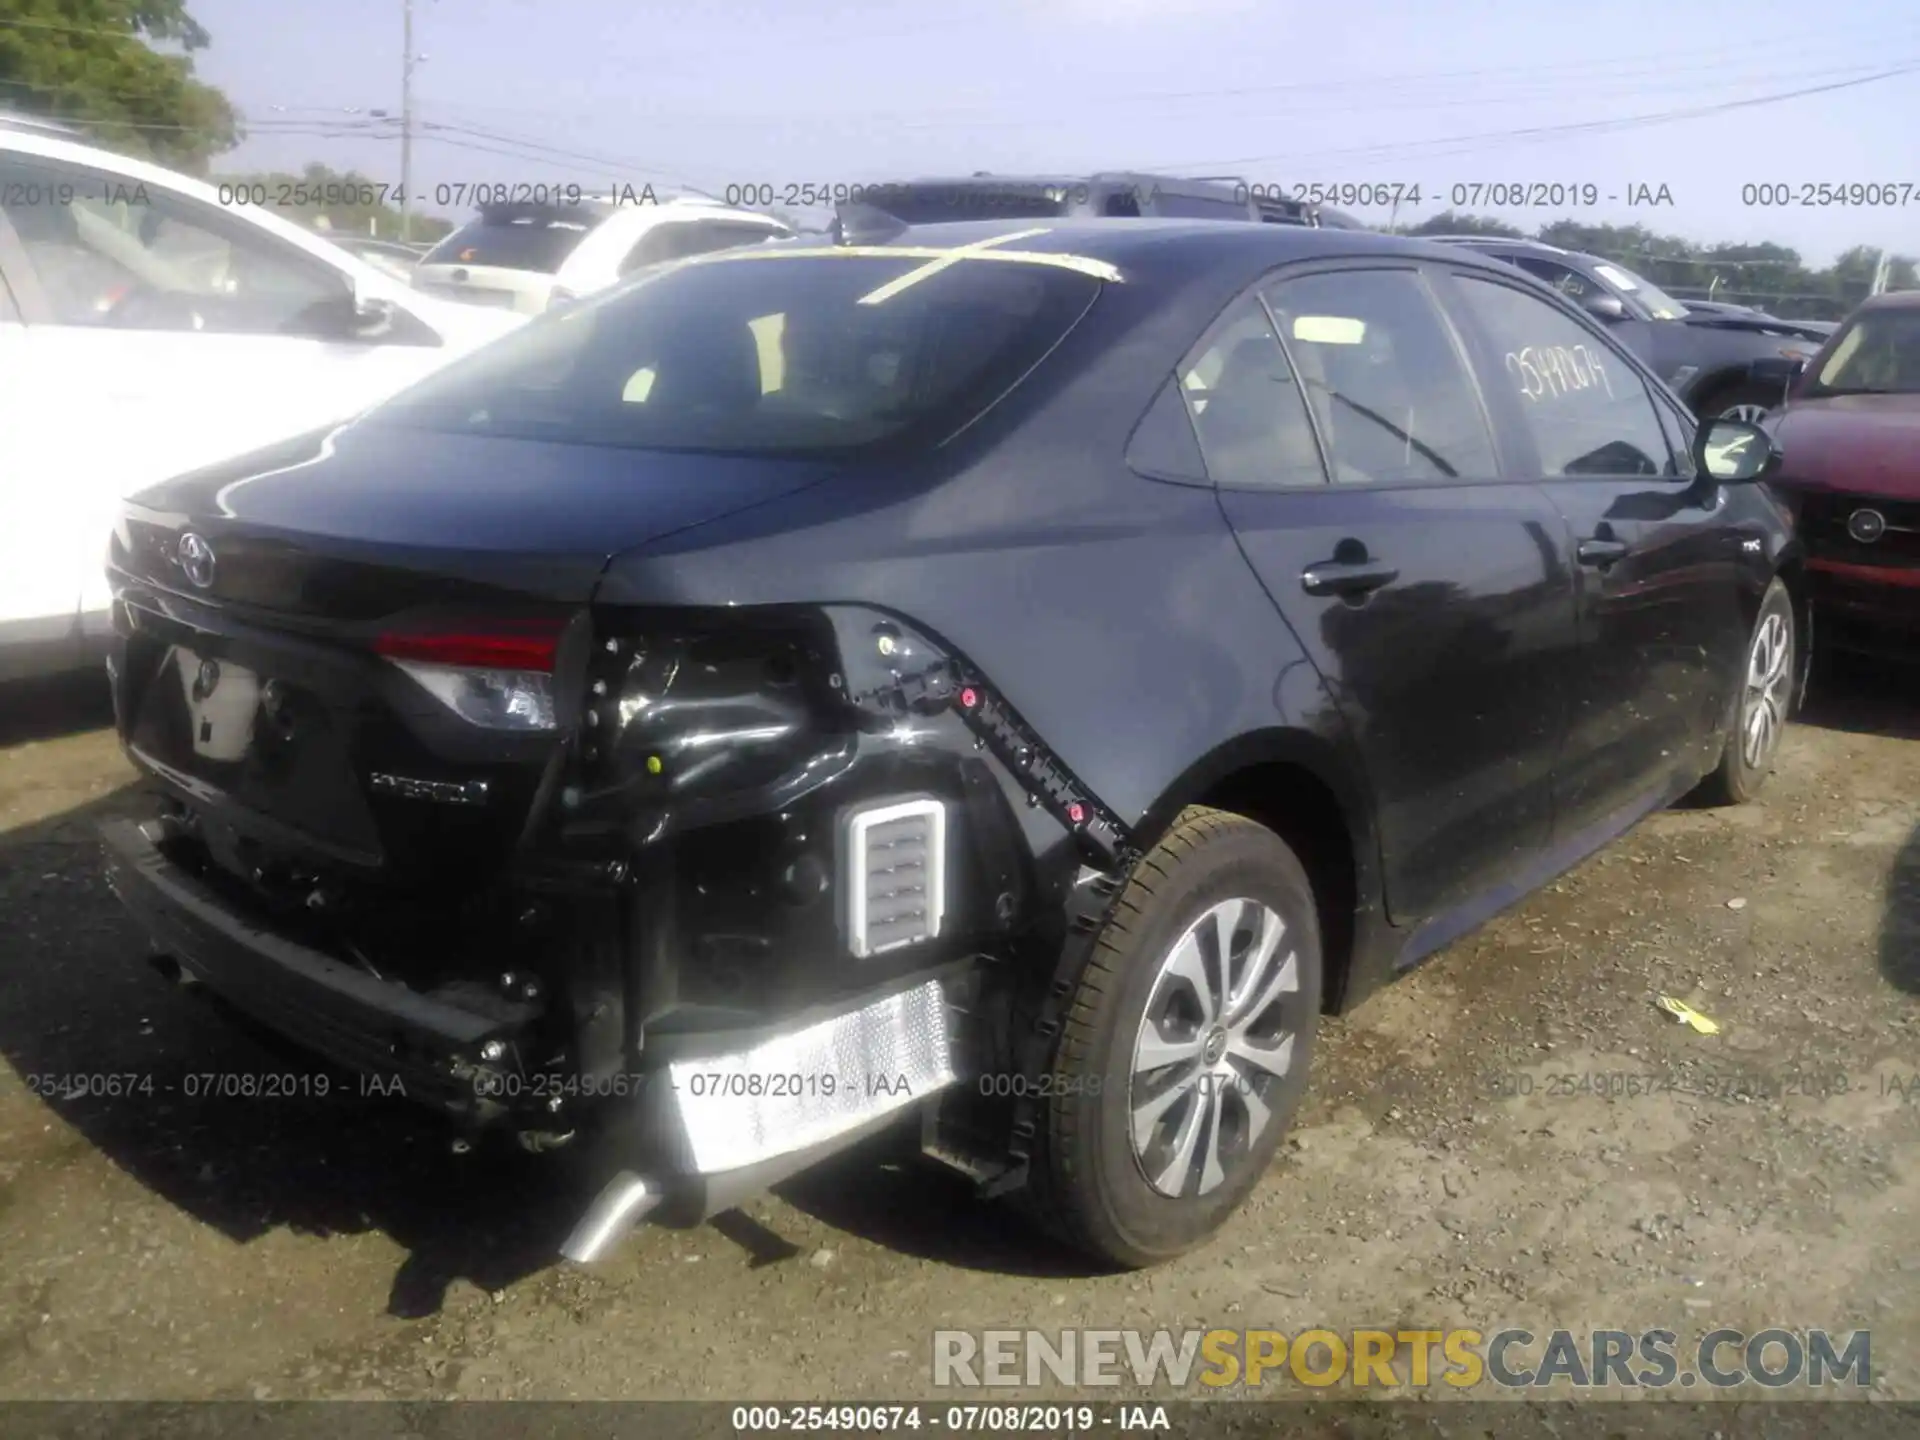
(60, 705)
(887, 1195)
(241, 1134)
(1863, 695)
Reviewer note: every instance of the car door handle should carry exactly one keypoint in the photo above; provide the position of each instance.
(1601, 552)
(1347, 577)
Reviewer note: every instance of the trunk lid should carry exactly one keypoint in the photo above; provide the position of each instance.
(295, 627)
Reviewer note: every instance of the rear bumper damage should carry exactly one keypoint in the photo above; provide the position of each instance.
(722, 1113)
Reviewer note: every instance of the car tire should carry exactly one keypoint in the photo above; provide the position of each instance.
(1742, 402)
(1137, 1001)
(1762, 703)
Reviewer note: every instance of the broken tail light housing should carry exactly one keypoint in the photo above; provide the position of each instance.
(496, 674)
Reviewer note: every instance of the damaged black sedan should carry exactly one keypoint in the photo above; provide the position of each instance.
(1009, 677)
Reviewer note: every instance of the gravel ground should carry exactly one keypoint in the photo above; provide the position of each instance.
(1445, 1170)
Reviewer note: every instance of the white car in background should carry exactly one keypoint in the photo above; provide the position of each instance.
(522, 255)
(146, 330)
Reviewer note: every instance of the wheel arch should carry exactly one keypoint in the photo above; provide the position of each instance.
(1716, 382)
(1791, 571)
(1302, 787)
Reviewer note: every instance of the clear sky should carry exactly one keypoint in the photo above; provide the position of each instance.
(790, 92)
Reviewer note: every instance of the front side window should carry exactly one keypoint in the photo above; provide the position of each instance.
(1879, 353)
(1247, 409)
(1586, 411)
(1388, 384)
(1564, 278)
(762, 353)
(117, 253)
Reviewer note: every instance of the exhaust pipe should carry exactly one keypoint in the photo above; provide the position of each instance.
(622, 1204)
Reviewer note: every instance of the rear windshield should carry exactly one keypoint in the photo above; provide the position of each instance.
(535, 240)
(990, 200)
(793, 354)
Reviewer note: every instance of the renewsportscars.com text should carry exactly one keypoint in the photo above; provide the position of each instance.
(1389, 1359)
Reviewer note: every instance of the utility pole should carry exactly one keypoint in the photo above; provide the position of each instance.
(406, 124)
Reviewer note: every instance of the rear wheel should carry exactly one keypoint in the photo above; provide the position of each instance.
(1761, 707)
(1185, 1049)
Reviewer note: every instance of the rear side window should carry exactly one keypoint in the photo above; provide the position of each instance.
(1201, 207)
(537, 240)
(1247, 410)
(937, 204)
(1389, 386)
(763, 354)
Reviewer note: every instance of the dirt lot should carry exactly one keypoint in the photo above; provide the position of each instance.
(1444, 1172)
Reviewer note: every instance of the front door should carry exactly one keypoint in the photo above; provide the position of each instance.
(1354, 458)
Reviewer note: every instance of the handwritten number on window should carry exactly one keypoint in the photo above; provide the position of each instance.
(1555, 370)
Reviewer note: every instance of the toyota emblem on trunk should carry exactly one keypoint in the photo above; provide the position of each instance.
(1866, 526)
(196, 558)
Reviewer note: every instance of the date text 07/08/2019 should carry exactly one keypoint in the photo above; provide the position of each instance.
(1042, 1419)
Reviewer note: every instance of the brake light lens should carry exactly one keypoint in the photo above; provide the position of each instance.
(498, 676)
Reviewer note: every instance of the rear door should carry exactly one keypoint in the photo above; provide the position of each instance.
(1430, 588)
(1658, 568)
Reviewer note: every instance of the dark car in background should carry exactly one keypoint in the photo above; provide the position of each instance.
(1013, 675)
(1751, 316)
(1110, 195)
(1850, 432)
(1703, 356)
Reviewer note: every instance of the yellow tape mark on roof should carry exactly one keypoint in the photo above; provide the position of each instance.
(939, 257)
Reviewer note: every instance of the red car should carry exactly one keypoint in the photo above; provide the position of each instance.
(1850, 429)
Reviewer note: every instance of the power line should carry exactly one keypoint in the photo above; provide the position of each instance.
(1535, 132)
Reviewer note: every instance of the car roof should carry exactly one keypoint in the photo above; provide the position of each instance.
(1148, 247)
(1892, 300)
(1505, 242)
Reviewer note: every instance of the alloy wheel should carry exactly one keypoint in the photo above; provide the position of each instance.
(1748, 411)
(1217, 1036)
(1763, 716)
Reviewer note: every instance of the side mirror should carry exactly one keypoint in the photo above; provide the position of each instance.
(1603, 306)
(1734, 452)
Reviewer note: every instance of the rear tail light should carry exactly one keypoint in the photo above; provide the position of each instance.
(498, 675)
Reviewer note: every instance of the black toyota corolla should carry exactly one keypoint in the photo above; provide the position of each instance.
(1014, 677)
